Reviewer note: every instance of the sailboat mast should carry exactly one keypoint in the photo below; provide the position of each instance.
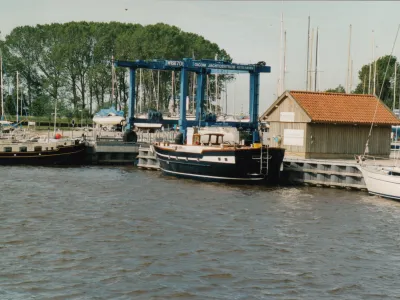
(216, 88)
(351, 76)
(374, 60)
(17, 94)
(193, 87)
(55, 117)
(173, 91)
(1, 85)
(399, 108)
(308, 52)
(112, 79)
(364, 84)
(369, 78)
(370, 66)
(226, 98)
(234, 98)
(311, 58)
(208, 92)
(158, 90)
(348, 65)
(22, 99)
(394, 85)
(193, 91)
(284, 64)
(316, 62)
(280, 58)
(141, 90)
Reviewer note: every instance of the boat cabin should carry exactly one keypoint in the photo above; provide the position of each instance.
(211, 139)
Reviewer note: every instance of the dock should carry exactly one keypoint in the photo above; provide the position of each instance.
(325, 173)
(104, 152)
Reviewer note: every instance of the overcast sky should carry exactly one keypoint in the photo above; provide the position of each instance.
(248, 30)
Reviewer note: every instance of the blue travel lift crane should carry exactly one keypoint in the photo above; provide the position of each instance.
(201, 68)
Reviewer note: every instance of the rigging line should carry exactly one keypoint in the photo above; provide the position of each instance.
(380, 93)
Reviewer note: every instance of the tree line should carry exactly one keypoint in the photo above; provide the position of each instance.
(71, 63)
(385, 78)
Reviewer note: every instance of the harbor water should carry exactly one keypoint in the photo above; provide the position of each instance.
(124, 233)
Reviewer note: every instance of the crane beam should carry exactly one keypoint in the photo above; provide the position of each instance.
(201, 68)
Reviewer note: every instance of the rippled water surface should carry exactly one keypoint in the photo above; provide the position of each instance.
(123, 233)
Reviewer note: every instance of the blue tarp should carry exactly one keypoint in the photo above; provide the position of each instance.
(109, 111)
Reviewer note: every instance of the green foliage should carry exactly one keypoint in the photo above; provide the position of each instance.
(71, 63)
(41, 106)
(384, 86)
(338, 89)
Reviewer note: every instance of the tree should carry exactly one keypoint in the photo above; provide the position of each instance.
(384, 85)
(20, 53)
(338, 89)
(71, 62)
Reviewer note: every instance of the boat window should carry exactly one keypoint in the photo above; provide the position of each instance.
(394, 173)
(213, 139)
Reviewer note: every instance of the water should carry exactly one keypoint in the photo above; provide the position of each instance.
(123, 233)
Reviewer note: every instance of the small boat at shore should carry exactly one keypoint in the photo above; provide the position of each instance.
(106, 118)
(209, 157)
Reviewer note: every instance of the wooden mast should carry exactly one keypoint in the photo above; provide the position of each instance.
(394, 85)
(311, 58)
(17, 95)
(370, 66)
(348, 65)
(1, 86)
(308, 53)
(316, 62)
(284, 64)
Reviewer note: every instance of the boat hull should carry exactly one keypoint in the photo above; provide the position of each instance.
(381, 184)
(62, 155)
(108, 120)
(233, 165)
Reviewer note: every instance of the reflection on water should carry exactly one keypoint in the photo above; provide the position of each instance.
(123, 233)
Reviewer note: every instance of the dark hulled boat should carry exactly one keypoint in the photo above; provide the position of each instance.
(43, 154)
(220, 161)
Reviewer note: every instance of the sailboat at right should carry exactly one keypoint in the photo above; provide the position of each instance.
(381, 180)
(381, 174)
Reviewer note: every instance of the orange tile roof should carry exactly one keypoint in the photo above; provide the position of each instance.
(344, 108)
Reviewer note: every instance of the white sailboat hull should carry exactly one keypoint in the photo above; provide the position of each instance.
(380, 181)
